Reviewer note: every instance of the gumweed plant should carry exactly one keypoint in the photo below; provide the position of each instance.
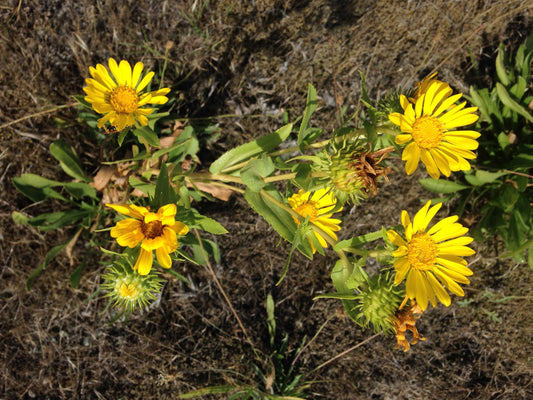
(139, 212)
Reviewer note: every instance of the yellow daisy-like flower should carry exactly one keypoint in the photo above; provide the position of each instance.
(118, 94)
(154, 231)
(318, 208)
(424, 84)
(428, 131)
(431, 258)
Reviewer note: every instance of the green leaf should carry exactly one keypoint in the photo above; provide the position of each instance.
(164, 192)
(57, 219)
(19, 218)
(54, 251)
(251, 149)
(519, 88)
(500, 66)
(121, 136)
(441, 185)
(147, 134)
(507, 197)
(146, 188)
(506, 99)
(68, 160)
(253, 173)
(277, 217)
(38, 181)
(31, 192)
(485, 177)
(80, 189)
(310, 108)
(205, 391)
(481, 99)
(206, 224)
(345, 283)
(76, 276)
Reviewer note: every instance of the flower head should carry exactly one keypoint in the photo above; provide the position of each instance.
(431, 258)
(153, 231)
(118, 94)
(318, 207)
(127, 289)
(353, 171)
(429, 133)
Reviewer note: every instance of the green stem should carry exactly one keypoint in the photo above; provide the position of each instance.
(317, 145)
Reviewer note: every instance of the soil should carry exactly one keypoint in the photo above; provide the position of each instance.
(243, 58)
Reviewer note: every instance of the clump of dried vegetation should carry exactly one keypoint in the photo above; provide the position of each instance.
(241, 58)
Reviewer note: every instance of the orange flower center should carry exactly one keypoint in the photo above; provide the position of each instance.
(422, 251)
(428, 132)
(124, 100)
(307, 209)
(152, 229)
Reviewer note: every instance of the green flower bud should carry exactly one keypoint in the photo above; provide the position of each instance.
(378, 303)
(127, 289)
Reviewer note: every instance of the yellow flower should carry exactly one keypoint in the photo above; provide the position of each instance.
(431, 258)
(318, 208)
(119, 94)
(154, 231)
(424, 84)
(428, 131)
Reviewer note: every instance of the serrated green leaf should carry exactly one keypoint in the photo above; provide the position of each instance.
(441, 185)
(68, 160)
(251, 149)
(310, 107)
(357, 242)
(506, 99)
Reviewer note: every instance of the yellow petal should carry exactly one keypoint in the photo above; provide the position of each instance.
(411, 154)
(144, 262)
(125, 73)
(401, 265)
(442, 295)
(430, 164)
(136, 74)
(145, 81)
(163, 258)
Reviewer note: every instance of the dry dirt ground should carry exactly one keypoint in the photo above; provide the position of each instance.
(243, 57)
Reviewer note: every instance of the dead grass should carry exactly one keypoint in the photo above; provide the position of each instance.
(241, 57)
